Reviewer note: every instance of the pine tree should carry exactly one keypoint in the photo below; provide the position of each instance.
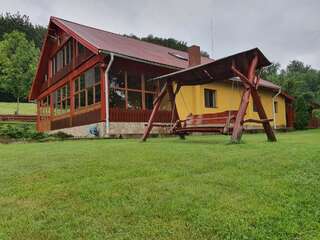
(302, 113)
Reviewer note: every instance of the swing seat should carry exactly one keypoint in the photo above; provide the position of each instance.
(210, 122)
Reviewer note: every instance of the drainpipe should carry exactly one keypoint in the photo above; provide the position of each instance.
(106, 87)
(273, 108)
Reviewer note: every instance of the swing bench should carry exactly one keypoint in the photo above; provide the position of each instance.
(243, 66)
(221, 122)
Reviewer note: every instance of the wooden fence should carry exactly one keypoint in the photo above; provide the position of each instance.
(18, 118)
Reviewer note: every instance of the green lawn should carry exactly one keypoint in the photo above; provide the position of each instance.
(25, 108)
(200, 188)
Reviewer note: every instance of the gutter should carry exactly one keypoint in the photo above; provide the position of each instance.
(106, 87)
(273, 108)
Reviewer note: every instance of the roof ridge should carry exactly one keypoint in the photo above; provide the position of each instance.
(124, 36)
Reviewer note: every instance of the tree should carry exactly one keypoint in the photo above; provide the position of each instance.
(302, 113)
(167, 42)
(16, 22)
(18, 58)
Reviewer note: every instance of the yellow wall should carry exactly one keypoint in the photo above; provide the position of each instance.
(228, 96)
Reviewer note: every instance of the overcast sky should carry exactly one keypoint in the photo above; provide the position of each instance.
(283, 29)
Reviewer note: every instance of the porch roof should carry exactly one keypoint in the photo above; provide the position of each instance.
(220, 70)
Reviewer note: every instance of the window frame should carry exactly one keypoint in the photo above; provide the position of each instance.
(67, 57)
(142, 90)
(78, 90)
(214, 97)
(44, 108)
(64, 99)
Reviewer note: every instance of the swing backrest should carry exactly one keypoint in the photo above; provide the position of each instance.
(210, 119)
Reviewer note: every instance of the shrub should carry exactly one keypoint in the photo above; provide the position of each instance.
(316, 113)
(302, 114)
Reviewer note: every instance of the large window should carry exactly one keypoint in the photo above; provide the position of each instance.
(87, 88)
(63, 57)
(210, 98)
(61, 100)
(44, 108)
(131, 90)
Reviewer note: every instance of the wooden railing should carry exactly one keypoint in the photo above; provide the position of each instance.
(19, 118)
(123, 115)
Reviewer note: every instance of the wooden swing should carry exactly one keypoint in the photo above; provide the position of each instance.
(242, 65)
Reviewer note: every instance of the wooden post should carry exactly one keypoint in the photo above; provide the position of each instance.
(155, 110)
(172, 97)
(262, 115)
(251, 87)
(238, 125)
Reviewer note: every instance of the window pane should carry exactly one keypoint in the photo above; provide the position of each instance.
(90, 95)
(76, 85)
(149, 100)
(97, 74)
(89, 77)
(83, 99)
(67, 90)
(63, 106)
(150, 85)
(116, 79)
(117, 98)
(134, 81)
(97, 93)
(68, 104)
(134, 100)
(210, 98)
(76, 101)
(82, 82)
(60, 60)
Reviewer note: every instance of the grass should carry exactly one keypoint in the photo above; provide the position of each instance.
(24, 108)
(200, 188)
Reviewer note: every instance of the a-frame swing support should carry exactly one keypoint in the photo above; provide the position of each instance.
(250, 82)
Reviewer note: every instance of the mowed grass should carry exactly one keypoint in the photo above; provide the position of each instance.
(24, 108)
(200, 188)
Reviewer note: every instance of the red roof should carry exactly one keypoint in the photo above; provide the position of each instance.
(99, 40)
(116, 43)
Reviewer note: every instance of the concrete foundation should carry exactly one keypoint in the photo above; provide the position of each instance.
(124, 129)
(117, 129)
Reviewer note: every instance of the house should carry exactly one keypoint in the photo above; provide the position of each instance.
(94, 82)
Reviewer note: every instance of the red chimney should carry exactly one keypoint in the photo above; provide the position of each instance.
(194, 55)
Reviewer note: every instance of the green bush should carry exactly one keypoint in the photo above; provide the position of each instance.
(302, 114)
(316, 113)
(20, 131)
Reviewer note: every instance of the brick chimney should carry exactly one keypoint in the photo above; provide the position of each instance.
(194, 55)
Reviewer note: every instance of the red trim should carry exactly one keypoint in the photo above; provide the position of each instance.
(74, 35)
(90, 63)
(59, 47)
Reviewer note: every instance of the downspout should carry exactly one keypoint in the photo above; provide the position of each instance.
(273, 108)
(106, 87)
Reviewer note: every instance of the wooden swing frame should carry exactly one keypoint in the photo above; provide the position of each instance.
(242, 65)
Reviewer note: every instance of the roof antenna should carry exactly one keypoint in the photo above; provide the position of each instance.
(212, 42)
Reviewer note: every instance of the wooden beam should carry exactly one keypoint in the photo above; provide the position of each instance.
(238, 125)
(257, 120)
(153, 114)
(242, 77)
(262, 114)
(174, 111)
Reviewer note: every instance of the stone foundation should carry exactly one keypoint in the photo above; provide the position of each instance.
(126, 129)
(117, 129)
